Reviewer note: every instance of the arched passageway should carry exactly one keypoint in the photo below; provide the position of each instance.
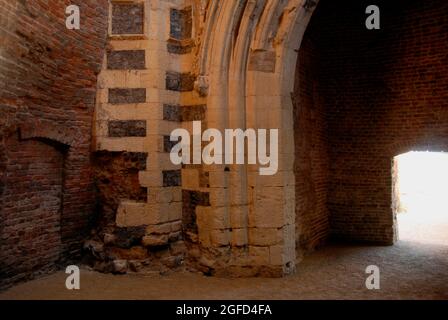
(362, 97)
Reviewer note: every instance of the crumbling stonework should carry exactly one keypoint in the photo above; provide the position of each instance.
(344, 99)
(116, 179)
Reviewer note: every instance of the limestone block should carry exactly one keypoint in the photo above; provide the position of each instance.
(190, 179)
(156, 214)
(265, 214)
(239, 237)
(265, 236)
(259, 256)
(131, 144)
(214, 218)
(155, 240)
(174, 210)
(150, 178)
(220, 237)
(218, 179)
(165, 195)
(134, 111)
(276, 255)
(218, 197)
(239, 216)
(158, 229)
(131, 214)
(203, 217)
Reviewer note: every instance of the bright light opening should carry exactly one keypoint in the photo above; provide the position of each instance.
(421, 197)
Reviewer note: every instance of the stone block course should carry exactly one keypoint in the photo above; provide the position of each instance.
(129, 128)
(127, 96)
(181, 82)
(172, 178)
(127, 18)
(181, 23)
(126, 60)
(180, 113)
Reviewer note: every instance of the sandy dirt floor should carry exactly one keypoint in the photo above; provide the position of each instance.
(415, 268)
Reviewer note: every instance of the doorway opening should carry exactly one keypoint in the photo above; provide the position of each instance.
(420, 197)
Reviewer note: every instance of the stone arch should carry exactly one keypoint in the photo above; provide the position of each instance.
(248, 52)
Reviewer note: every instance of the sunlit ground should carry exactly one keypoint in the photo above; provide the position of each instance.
(414, 268)
(423, 184)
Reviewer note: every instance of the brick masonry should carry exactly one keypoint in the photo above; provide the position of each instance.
(182, 82)
(361, 98)
(181, 23)
(379, 94)
(311, 156)
(124, 96)
(126, 60)
(168, 144)
(129, 128)
(179, 47)
(47, 89)
(172, 178)
(127, 18)
(180, 113)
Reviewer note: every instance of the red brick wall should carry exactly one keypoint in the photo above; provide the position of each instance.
(47, 80)
(31, 239)
(311, 159)
(385, 92)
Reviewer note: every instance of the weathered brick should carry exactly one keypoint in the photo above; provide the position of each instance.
(126, 60)
(193, 113)
(168, 144)
(364, 97)
(172, 178)
(181, 23)
(181, 82)
(128, 128)
(184, 113)
(125, 96)
(49, 78)
(172, 112)
(127, 18)
(179, 47)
